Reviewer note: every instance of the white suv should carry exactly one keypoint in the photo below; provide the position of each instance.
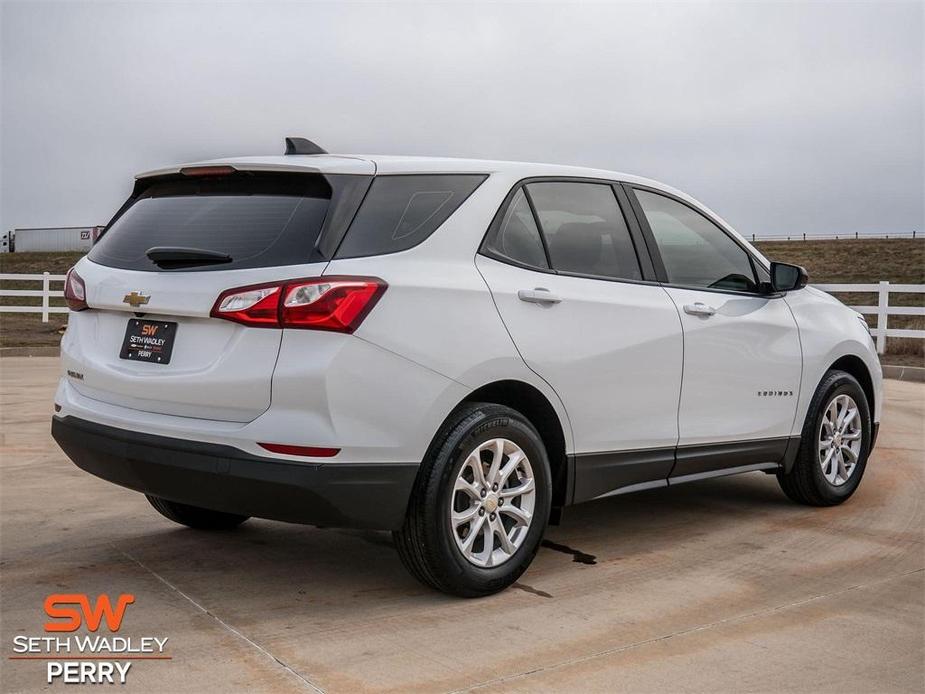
(452, 350)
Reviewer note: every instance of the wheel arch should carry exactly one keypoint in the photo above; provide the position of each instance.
(855, 366)
(535, 406)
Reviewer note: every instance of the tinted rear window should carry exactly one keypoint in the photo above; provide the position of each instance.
(399, 212)
(585, 230)
(257, 220)
(518, 237)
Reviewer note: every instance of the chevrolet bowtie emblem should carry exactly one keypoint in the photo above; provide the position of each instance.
(136, 299)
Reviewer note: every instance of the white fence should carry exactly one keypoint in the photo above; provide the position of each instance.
(837, 237)
(882, 310)
(45, 293)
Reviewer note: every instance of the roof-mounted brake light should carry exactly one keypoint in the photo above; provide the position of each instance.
(207, 170)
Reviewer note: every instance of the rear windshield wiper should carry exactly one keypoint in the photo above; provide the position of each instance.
(173, 257)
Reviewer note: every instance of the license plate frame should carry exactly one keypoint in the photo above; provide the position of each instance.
(149, 341)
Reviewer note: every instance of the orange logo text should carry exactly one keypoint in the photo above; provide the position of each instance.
(73, 609)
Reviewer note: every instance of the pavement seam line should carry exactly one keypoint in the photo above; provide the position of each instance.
(683, 632)
(222, 622)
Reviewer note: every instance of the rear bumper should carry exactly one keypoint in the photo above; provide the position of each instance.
(223, 478)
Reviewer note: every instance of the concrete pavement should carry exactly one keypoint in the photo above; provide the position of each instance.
(717, 586)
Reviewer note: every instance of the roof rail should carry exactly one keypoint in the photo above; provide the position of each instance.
(299, 145)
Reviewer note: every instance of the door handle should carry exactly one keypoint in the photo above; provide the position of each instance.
(699, 309)
(540, 295)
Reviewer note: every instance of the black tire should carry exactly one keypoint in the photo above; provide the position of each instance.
(195, 517)
(806, 483)
(426, 544)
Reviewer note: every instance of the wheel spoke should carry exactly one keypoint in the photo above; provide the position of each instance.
(847, 419)
(829, 472)
(463, 485)
(522, 517)
(832, 414)
(497, 456)
(840, 470)
(489, 541)
(460, 517)
(474, 461)
(505, 541)
(466, 544)
(852, 436)
(522, 488)
(510, 466)
(852, 456)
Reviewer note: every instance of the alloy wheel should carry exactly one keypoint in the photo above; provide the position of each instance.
(493, 501)
(840, 439)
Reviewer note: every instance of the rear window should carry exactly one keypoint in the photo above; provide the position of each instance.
(257, 220)
(399, 212)
(584, 229)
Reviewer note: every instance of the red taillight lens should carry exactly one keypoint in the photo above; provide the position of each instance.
(75, 291)
(338, 304)
(308, 451)
(258, 306)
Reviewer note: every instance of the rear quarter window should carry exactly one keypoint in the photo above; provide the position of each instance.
(399, 212)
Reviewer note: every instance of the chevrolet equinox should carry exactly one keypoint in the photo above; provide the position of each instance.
(452, 350)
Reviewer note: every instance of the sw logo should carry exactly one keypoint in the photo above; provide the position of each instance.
(149, 330)
(59, 606)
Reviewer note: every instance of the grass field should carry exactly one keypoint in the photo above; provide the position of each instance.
(828, 262)
(853, 262)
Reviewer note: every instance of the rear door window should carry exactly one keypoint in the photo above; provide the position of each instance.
(585, 230)
(256, 220)
(401, 211)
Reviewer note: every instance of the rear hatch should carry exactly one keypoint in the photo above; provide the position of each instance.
(148, 341)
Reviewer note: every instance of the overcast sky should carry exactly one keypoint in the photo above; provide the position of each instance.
(782, 117)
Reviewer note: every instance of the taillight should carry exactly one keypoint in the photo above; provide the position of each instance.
(337, 304)
(75, 291)
(250, 306)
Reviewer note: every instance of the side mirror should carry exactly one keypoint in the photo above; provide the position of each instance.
(786, 277)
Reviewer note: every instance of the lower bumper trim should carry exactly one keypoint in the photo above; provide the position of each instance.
(223, 478)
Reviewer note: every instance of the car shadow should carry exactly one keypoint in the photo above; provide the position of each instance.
(307, 568)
